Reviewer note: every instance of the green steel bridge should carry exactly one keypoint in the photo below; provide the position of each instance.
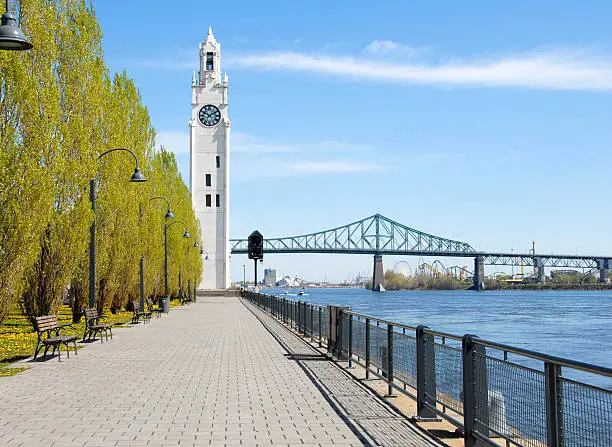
(378, 235)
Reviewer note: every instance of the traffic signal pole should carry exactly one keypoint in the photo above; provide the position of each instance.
(255, 262)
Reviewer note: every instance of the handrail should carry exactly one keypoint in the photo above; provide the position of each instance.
(380, 320)
(586, 367)
(465, 398)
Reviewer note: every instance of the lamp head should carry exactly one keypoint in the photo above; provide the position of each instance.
(170, 214)
(138, 176)
(11, 37)
(186, 234)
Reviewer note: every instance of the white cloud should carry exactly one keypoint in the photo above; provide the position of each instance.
(557, 70)
(391, 48)
(174, 140)
(242, 142)
(336, 166)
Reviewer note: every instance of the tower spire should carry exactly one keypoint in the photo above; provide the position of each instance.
(210, 37)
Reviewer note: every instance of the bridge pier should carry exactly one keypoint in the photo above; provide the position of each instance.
(378, 275)
(603, 265)
(478, 278)
(539, 265)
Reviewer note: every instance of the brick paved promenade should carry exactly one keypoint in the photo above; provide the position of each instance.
(207, 374)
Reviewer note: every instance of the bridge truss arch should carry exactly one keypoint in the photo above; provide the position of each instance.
(373, 235)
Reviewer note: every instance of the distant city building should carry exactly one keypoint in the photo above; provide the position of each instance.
(270, 277)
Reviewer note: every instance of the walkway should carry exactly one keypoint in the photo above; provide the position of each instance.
(207, 374)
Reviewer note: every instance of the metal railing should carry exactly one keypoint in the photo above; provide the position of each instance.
(496, 394)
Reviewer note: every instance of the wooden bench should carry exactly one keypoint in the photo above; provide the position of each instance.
(157, 310)
(93, 325)
(45, 326)
(138, 314)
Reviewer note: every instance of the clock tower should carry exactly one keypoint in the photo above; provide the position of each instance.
(209, 167)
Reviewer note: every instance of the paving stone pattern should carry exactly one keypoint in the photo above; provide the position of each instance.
(206, 374)
(368, 416)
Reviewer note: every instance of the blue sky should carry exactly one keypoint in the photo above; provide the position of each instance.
(486, 122)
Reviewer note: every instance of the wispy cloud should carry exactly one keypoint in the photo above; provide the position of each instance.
(180, 60)
(391, 48)
(245, 143)
(176, 141)
(552, 69)
(335, 166)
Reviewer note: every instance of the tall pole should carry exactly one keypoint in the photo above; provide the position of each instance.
(255, 261)
(243, 275)
(180, 291)
(142, 297)
(92, 246)
(166, 295)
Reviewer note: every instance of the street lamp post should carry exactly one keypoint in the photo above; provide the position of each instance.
(196, 244)
(137, 177)
(169, 215)
(11, 36)
(166, 298)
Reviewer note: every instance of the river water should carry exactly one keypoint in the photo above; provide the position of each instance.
(572, 324)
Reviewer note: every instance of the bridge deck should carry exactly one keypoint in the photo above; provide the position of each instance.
(207, 374)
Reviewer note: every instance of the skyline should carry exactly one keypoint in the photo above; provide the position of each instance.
(480, 123)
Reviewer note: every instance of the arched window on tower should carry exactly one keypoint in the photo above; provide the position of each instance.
(209, 61)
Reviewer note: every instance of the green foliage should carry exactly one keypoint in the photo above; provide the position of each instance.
(60, 108)
(18, 339)
(399, 281)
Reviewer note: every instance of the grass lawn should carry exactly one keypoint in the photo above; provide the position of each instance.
(18, 338)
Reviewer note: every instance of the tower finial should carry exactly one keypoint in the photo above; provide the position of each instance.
(211, 36)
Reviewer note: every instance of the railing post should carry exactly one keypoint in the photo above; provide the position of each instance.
(300, 317)
(554, 405)
(475, 393)
(390, 361)
(350, 341)
(334, 330)
(311, 324)
(426, 373)
(367, 348)
(320, 328)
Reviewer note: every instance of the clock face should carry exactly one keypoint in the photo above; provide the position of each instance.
(209, 115)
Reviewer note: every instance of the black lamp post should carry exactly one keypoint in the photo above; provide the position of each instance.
(196, 244)
(11, 36)
(169, 215)
(166, 298)
(137, 177)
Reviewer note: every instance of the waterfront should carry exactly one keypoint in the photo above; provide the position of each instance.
(570, 324)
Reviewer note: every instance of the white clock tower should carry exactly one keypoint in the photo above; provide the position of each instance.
(210, 162)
